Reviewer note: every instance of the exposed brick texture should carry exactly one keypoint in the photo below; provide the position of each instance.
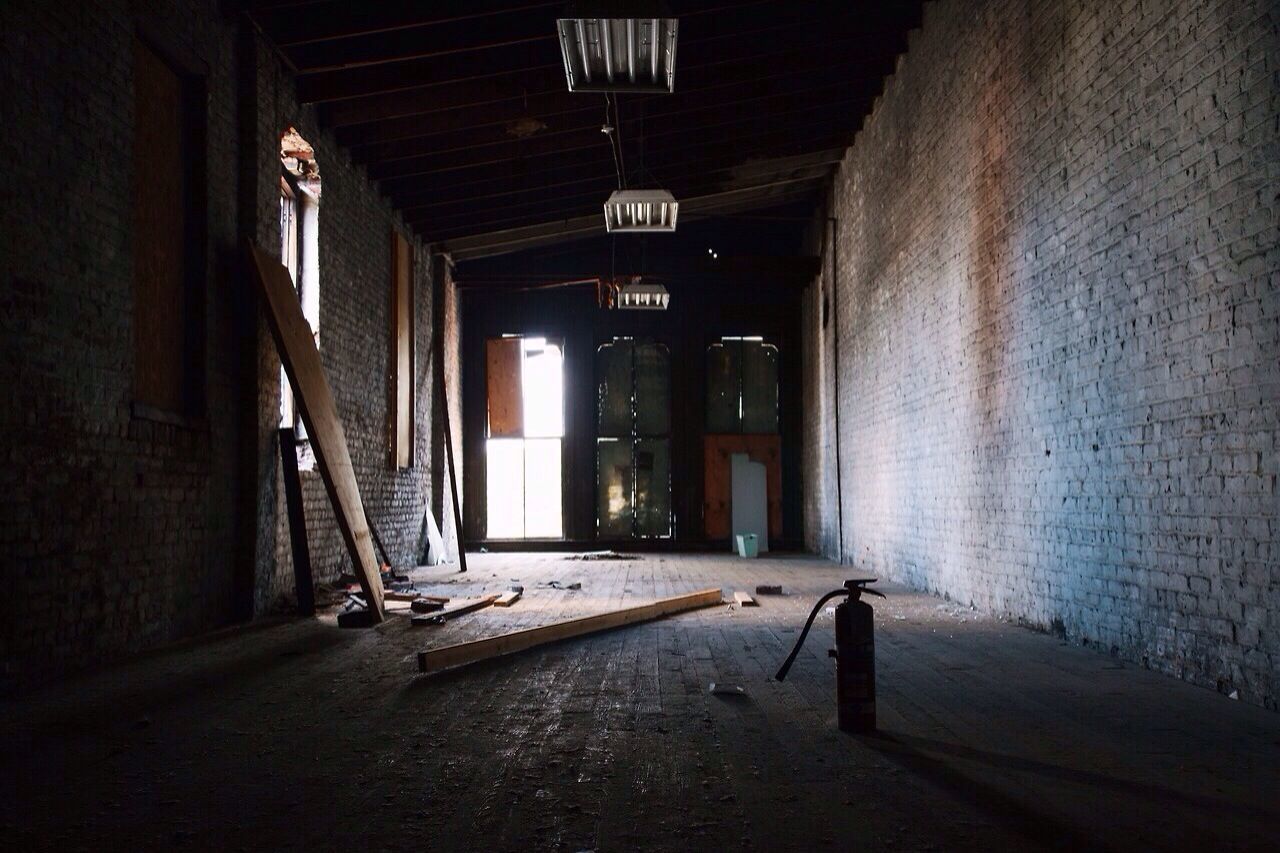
(117, 532)
(1059, 321)
(355, 303)
(821, 524)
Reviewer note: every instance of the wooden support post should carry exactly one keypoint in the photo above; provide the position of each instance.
(462, 654)
(448, 452)
(297, 523)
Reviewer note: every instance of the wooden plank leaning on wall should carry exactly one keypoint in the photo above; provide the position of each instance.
(311, 391)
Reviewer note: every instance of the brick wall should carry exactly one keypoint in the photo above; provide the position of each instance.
(1060, 328)
(355, 303)
(115, 528)
(117, 532)
(821, 523)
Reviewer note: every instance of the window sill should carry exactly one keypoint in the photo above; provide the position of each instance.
(144, 412)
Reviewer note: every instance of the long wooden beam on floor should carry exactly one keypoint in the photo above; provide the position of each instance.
(462, 654)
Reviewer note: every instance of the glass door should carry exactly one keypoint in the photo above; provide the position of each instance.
(633, 440)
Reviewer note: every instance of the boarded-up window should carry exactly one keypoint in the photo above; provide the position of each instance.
(401, 351)
(165, 313)
(506, 403)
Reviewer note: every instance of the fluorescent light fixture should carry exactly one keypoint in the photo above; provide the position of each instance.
(618, 46)
(643, 297)
(641, 210)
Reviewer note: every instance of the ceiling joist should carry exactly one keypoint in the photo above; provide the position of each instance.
(508, 240)
(460, 110)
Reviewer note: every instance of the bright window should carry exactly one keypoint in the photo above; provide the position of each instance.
(525, 380)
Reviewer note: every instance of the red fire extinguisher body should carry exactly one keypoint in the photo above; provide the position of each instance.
(855, 655)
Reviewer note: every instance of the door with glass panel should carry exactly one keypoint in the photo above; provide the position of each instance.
(524, 438)
(633, 440)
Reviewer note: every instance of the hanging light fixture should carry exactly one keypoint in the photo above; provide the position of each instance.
(641, 210)
(618, 46)
(643, 297)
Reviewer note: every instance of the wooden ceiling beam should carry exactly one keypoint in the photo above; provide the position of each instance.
(550, 212)
(588, 205)
(443, 38)
(670, 116)
(337, 20)
(688, 181)
(798, 73)
(757, 163)
(547, 233)
(535, 57)
(724, 124)
(661, 267)
(544, 93)
(535, 24)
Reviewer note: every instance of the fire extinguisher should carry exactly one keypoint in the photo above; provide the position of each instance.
(855, 655)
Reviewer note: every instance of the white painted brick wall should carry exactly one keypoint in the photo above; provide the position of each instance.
(1060, 328)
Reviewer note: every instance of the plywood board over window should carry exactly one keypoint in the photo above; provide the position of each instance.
(167, 234)
(402, 367)
(506, 400)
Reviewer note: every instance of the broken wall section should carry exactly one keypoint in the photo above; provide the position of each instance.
(1059, 336)
(355, 226)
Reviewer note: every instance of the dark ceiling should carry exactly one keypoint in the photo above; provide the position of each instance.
(461, 112)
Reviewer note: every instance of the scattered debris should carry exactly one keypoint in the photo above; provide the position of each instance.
(602, 555)
(557, 585)
(360, 617)
(721, 689)
(460, 609)
(507, 599)
(425, 605)
(329, 595)
(744, 599)
(769, 589)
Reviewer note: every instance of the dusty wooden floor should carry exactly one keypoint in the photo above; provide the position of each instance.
(301, 735)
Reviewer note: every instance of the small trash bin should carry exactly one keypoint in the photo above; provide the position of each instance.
(748, 545)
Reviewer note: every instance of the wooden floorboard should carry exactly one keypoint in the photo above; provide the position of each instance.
(992, 736)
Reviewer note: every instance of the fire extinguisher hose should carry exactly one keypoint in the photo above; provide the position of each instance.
(791, 658)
